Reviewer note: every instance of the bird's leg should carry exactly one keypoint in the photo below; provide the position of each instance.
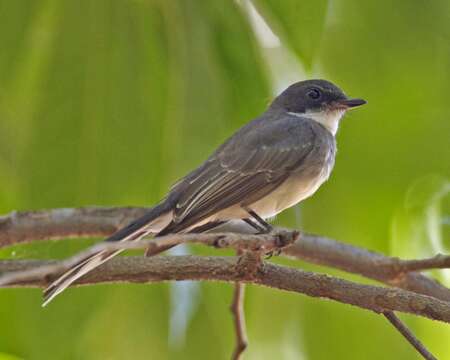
(267, 228)
(255, 225)
(264, 228)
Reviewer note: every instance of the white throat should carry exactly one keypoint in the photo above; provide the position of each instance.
(328, 118)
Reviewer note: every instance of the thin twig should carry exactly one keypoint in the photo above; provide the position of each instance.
(139, 269)
(237, 309)
(57, 224)
(408, 335)
(439, 261)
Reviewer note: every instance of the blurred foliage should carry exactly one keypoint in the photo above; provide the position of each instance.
(298, 23)
(421, 225)
(109, 102)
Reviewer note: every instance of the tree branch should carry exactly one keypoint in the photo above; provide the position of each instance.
(23, 227)
(161, 268)
(251, 246)
(408, 335)
(237, 309)
(87, 222)
(57, 224)
(388, 270)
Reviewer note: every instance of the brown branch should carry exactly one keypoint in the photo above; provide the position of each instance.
(439, 261)
(143, 270)
(251, 246)
(87, 222)
(408, 335)
(26, 226)
(237, 310)
(22, 227)
(389, 270)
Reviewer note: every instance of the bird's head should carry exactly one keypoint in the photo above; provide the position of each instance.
(319, 100)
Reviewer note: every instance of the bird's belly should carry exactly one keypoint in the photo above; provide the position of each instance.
(295, 189)
(289, 193)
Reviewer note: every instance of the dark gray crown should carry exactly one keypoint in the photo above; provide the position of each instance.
(308, 95)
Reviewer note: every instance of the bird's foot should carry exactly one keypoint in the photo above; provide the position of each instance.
(282, 238)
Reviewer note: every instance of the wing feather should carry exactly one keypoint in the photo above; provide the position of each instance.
(241, 172)
(232, 183)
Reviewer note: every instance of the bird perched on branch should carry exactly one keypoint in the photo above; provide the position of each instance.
(270, 164)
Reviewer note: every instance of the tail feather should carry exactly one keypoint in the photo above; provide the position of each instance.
(134, 231)
(76, 272)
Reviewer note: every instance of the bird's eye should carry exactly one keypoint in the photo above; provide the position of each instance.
(314, 94)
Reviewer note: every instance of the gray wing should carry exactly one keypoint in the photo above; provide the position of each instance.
(246, 168)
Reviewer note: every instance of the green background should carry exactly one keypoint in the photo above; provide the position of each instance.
(109, 102)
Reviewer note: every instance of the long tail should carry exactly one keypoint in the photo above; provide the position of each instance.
(134, 231)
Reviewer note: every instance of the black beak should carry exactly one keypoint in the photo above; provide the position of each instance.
(350, 103)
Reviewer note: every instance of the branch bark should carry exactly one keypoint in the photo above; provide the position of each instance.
(23, 227)
(162, 268)
(385, 269)
(237, 310)
(252, 247)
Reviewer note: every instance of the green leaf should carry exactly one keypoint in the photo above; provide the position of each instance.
(299, 24)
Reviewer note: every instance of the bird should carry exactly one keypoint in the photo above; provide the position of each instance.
(270, 164)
